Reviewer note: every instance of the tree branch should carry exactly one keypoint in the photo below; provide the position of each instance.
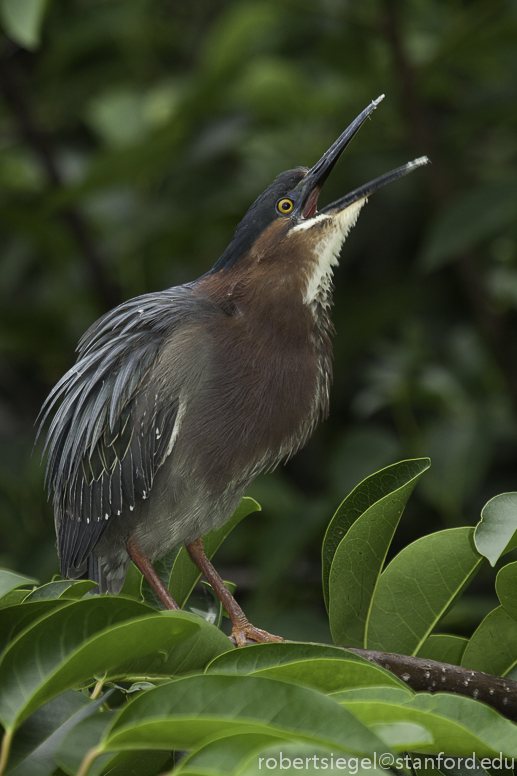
(38, 141)
(431, 676)
(424, 675)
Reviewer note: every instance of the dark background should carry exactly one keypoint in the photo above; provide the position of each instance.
(133, 137)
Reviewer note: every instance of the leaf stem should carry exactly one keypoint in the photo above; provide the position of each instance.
(97, 690)
(87, 761)
(5, 749)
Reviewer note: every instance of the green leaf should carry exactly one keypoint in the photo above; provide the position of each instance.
(185, 573)
(22, 20)
(402, 735)
(133, 583)
(292, 759)
(87, 735)
(381, 694)
(9, 580)
(252, 754)
(13, 598)
(328, 675)
(63, 589)
(79, 589)
(418, 588)
(356, 544)
(184, 713)
(215, 611)
(493, 646)
(458, 724)
(326, 669)
(443, 648)
(163, 567)
(13, 619)
(228, 754)
(36, 742)
(462, 224)
(194, 653)
(139, 763)
(367, 493)
(506, 587)
(86, 638)
(496, 532)
(260, 656)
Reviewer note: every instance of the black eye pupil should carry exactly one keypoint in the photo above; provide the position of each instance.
(286, 205)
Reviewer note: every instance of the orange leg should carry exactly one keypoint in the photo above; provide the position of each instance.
(242, 629)
(144, 565)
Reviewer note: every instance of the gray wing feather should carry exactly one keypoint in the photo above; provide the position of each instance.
(108, 436)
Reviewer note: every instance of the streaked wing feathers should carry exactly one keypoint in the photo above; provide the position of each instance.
(108, 435)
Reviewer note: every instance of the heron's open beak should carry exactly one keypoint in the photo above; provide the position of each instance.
(311, 185)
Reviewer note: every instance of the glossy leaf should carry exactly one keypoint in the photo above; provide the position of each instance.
(38, 739)
(318, 667)
(457, 724)
(384, 694)
(402, 735)
(261, 656)
(62, 589)
(496, 532)
(183, 713)
(250, 755)
(366, 523)
(418, 588)
(308, 760)
(444, 648)
(493, 646)
(9, 580)
(133, 583)
(194, 653)
(328, 675)
(69, 646)
(87, 735)
(83, 737)
(163, 567)
(372, 489)
(229, 754)
(14, 619)
(13, 597)
(214, 611)
(505, 586)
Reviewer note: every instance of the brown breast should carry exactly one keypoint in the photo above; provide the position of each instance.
(271, 359)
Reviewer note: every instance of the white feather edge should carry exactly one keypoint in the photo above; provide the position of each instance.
(176, 429)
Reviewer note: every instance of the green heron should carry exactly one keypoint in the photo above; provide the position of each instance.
(180, 398)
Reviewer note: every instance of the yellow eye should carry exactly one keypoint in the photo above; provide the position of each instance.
(284, 206)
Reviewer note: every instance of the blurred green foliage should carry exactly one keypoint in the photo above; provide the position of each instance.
(133, 137)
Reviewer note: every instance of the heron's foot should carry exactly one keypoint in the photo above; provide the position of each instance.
(245, 633)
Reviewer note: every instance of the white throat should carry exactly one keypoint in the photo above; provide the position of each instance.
(331, 232)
